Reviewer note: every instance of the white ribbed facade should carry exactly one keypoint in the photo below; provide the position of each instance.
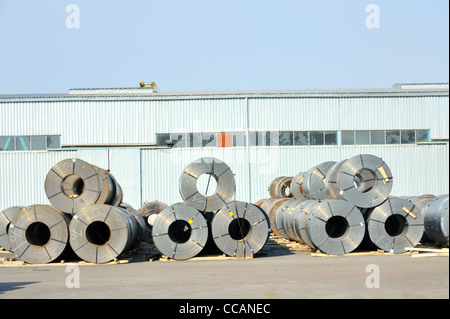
(101, 121)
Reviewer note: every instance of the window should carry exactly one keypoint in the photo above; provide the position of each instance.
(348, 137)
(362, 137)
(301, 138)
(285, 138)
(392, 137)
(408, 137)
(422, 136)
(209, 140)
(29, 143)
(239, 139)
(330, 138)
(377, 137)
(316, 138)
(384, 137)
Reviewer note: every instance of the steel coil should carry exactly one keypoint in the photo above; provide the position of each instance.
(5, 219)
(300, 221)
(365, 180)
(72, 184)
(100, 233)
(149, 211)
(296, 186)
(280, 187)
(331, 180)
(335, 226)
(270, 207)
(180, 231)
(240, 229)
(394, 225)
(436, 221)
(218, 170)
(314, 181)
(141, 229)
(39, 234)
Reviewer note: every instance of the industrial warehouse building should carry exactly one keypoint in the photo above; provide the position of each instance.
(146, 138)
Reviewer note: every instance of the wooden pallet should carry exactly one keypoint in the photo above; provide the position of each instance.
(421, 252)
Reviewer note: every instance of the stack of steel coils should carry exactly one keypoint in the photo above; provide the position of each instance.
(337, 206)
(182, 230)
(434, 210)
(86, 217)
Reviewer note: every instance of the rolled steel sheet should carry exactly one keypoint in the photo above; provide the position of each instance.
(394, 225)
(108, 187)
(365, 180)
(280, 187)
(141, 229)
(436, 221)
(270, 207)
(149, 211)
(218, 170)
(335, 226)
(314, 181)
(100, 233)
(331, 180)
(72, 184)
(290, 212)
(301, 221)
(117, 200)
(5, 219)
(180, 231)
(296, 186)
(240, 229)
(279, 217)
(39, 234)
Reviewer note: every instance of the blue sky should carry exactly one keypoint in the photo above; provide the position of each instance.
(221, 44)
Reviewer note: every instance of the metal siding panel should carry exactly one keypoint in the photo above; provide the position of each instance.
(380, 113)
(22, 176)
(200, 115)
(297, 114)
(125, 167)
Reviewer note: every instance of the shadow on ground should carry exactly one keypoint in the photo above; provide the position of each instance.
(7, 286)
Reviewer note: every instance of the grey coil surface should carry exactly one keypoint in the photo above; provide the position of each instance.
(270, 207)
(99, 233)
(331, 180)
(180, 231)
(365, 180)
(149, 211)
(39, 234)
(141, 229)
(280, 187)
(335, 226)
(72, 184)
(394, 225)
(5, 219)
(314, 181)
(296, 186)
(218, 170)
(240, 229)
(436, 221)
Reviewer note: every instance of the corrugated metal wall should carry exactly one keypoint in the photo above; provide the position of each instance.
(137, 121)
(153, 174)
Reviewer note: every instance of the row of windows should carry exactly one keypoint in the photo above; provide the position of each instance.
(29, 143)
(233, 139)
(292, 138)
(384, 137)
